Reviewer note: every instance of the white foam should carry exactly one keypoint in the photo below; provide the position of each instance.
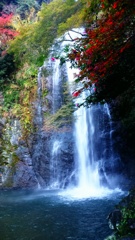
(77, 193)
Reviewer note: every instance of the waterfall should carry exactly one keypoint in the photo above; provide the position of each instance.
(90, 143)
(56, 88)
(83, 159)
(38, 119)
(88, 176)
(94, 154)
(55, 158)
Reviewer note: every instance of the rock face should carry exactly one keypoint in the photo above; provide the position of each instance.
(24, 175)
(114, 219)
(52, 150)
(52, 157)
(17, 170)
(48, 160)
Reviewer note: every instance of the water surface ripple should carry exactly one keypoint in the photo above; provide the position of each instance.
(47, 215)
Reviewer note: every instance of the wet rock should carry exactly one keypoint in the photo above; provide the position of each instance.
(24, 155)
(114, 219)
(24, 176)
(53, 158)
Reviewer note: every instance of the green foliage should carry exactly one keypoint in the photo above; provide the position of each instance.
(31, 47)
(21, 89)
(61, 118)
(11, 96)
(19, 95)
(35, 39)
(74, 21)
(51, 16)
(126, 227)
(22, 47)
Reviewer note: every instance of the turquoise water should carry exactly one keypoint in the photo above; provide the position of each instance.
(48, 215)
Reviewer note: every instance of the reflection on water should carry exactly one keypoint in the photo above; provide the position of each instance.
(48, 215)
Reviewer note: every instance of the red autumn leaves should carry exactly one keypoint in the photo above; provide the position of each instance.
(100, 50)
(76, 93)
(6, 31)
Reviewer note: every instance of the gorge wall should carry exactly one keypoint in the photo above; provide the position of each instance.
(47, 157)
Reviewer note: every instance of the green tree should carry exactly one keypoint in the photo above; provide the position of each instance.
(35, 39)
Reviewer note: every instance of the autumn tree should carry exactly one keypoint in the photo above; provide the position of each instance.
(6, 31)
(105, 58)
(107, 36)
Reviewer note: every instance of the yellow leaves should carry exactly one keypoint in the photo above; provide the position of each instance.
(16, 110)
(16, 22)
(25, 115)
(20, 24)
(27, 85)
(14, 86)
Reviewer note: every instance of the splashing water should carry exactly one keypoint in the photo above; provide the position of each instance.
(89, 135)
(91, 144)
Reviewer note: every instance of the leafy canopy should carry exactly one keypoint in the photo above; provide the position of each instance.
(36, 37)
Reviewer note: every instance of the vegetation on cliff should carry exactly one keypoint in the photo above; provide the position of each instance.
(28, 32)
(104, 54)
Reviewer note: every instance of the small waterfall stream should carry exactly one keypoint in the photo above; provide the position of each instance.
(56, 88)
(54, 165)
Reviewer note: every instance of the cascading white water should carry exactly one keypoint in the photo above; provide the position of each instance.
(90, 143)
(86, 162)
(88, 177)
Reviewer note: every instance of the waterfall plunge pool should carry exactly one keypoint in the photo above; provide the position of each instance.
(53, 215)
